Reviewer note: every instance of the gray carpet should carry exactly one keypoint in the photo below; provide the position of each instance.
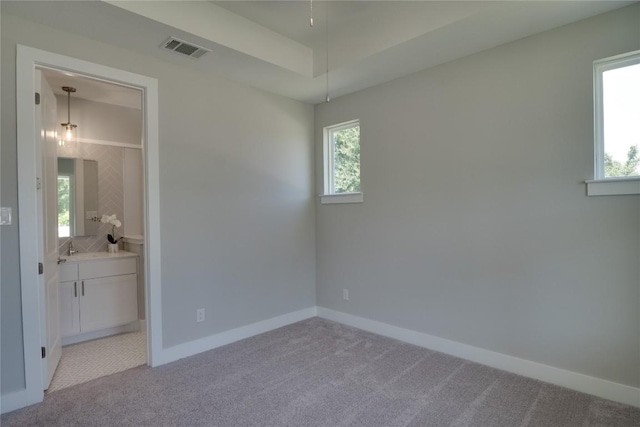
(320, 373)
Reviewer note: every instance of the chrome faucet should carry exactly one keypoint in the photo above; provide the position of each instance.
(71, 249)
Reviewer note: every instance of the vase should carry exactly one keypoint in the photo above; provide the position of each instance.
(113, 248)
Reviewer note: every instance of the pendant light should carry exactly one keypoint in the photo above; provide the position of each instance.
(69, 128)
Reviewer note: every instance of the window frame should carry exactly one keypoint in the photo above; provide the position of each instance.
(602, 185)
(329, 195)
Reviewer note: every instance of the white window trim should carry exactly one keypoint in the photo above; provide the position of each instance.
(330, 199)
(329, 196)
(600, 185)
(613, 186)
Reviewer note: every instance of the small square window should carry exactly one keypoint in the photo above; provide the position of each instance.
(617, 116)
(342, 159)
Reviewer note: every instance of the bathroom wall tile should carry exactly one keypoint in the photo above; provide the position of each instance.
(110, 192)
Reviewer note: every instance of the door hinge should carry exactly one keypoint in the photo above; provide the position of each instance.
(43, 351)
(40, 268)
(37, 98)
(38, 183)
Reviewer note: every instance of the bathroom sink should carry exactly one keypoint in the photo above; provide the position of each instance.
(88, 255)
(95, 255)
(84, 255)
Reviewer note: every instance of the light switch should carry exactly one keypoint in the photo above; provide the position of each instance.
(5, 216)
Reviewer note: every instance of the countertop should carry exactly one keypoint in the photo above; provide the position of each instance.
(96, 256)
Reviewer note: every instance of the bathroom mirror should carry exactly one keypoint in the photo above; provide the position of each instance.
(77, 197)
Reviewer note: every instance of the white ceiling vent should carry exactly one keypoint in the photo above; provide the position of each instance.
(184, 48)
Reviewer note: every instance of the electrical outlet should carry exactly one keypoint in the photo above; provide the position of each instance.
(200, 315)
(5, 216)
(345, 294)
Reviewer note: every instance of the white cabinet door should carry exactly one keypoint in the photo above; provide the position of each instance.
(69, 308)
(108, 301)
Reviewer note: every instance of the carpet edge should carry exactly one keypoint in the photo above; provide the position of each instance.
(572, 380)
(191, 348)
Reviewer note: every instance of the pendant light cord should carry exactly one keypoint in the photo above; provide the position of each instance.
(69, 106)
(326, 30)
(327, 47)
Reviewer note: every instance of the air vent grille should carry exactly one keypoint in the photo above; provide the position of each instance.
(184, 48)
(172, 44)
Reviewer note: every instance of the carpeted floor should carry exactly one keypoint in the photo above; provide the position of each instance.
(320, 373)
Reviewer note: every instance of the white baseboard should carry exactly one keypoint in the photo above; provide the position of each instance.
(572, 380)
(12, 401)
(227, 337)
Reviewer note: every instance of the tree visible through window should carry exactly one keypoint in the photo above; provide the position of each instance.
(347, 160)
(617, 103)
(64, 206)
(628, 168)
(342, 158)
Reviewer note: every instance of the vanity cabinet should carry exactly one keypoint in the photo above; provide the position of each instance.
(97, 295)
(69, 309)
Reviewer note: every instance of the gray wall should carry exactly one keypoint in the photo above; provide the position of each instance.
(237, 207)
(475, 225)
(97, 120)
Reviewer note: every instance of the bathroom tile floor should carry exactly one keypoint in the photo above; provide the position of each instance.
(98, 358)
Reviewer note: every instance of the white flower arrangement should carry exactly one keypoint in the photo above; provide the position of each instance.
(115, 222)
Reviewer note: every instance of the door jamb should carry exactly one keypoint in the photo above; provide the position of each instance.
(26, 62)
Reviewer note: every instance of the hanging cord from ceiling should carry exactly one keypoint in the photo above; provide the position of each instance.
(327, 99)
(326, 30)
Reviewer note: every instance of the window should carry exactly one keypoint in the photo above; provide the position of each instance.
(617, 124)
(65, 211)
(342, 163)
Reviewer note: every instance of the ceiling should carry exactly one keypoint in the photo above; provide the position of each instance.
(270, 44)
(93, 90)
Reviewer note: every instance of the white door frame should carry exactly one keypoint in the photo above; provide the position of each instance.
(26, 62)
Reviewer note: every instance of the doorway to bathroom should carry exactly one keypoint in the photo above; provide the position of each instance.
(98, 221)
(97, 286)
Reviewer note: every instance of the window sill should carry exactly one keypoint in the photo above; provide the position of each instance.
(330, 199)
(613, 186)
